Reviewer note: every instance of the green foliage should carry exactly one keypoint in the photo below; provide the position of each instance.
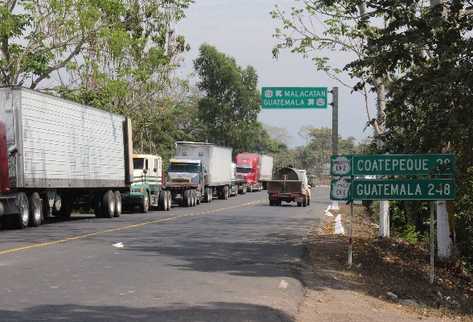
(230, 106)
(427, 55)
(315, 155)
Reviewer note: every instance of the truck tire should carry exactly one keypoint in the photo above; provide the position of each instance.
(304, 202)
(190, 201)
(98, 206)
(66, 207)
(144, 207)
(199, 197)
(299, 204)
(118, 204)
(36, 210)
(226, 193)
(21, 220)
(208, 195)
(109, 204)
(162, 200)
(168, 200)
(194, 198)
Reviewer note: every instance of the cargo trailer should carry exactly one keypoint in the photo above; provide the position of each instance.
(57, 155)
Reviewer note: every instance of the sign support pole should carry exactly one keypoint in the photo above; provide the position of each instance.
(334, 104)
(350, 237)
(432, 242)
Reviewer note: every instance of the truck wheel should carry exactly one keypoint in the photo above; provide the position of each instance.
(98, 206)
(210, 194)
(144, 207)
(168, 200)
(185, 198)
(66, 207)
(304, 202)
(109, 204)
(226, 193)
(199, 197)
(194, 198)
(36, 210)
(22, 218)
(118, 204)
(299, 204)
(189, 198)
(163, 200)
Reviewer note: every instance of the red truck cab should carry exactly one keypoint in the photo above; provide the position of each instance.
(248, 168)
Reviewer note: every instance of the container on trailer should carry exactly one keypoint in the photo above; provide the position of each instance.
(266, 169)
(216, 159)
(60, 151)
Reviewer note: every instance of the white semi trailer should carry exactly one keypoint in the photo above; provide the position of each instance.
(60, 155)
(266, 170)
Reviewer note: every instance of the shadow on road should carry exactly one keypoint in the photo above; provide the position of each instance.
(211, 312)
(243, 251)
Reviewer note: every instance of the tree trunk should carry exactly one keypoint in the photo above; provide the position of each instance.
(384, 223)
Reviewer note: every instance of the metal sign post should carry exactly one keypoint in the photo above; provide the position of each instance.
(432, 242)
(335, 131)
(350, 237)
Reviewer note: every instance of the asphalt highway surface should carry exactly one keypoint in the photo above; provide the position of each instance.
(234, 260)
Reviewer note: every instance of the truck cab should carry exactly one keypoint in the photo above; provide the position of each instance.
(248, 169)
(187, 172)
(186, 180)
(146, 185)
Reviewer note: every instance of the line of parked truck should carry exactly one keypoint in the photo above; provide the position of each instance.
(57, 155)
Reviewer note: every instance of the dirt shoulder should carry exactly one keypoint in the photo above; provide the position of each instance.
(388, 281)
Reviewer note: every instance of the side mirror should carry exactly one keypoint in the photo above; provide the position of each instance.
(155, 170)
(145, 171)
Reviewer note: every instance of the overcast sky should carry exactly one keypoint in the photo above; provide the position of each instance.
(243, 29)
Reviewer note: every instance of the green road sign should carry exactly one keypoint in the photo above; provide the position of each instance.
(434, 189)
(393, 164)
(293, 97)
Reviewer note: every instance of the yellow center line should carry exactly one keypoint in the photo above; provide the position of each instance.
(157, 221)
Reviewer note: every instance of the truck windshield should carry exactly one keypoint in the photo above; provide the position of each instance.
(243, 169)
(184, 167)
(138, 163)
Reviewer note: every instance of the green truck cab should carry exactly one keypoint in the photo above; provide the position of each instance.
(146, 190)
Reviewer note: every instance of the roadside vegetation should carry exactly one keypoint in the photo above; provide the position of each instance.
(416, 57)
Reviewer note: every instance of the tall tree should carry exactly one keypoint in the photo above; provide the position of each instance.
(230, 105)
(429, 61)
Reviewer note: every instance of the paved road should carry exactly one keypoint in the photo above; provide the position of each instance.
(232, 260)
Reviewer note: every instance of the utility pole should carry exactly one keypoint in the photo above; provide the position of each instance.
(334, 104)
